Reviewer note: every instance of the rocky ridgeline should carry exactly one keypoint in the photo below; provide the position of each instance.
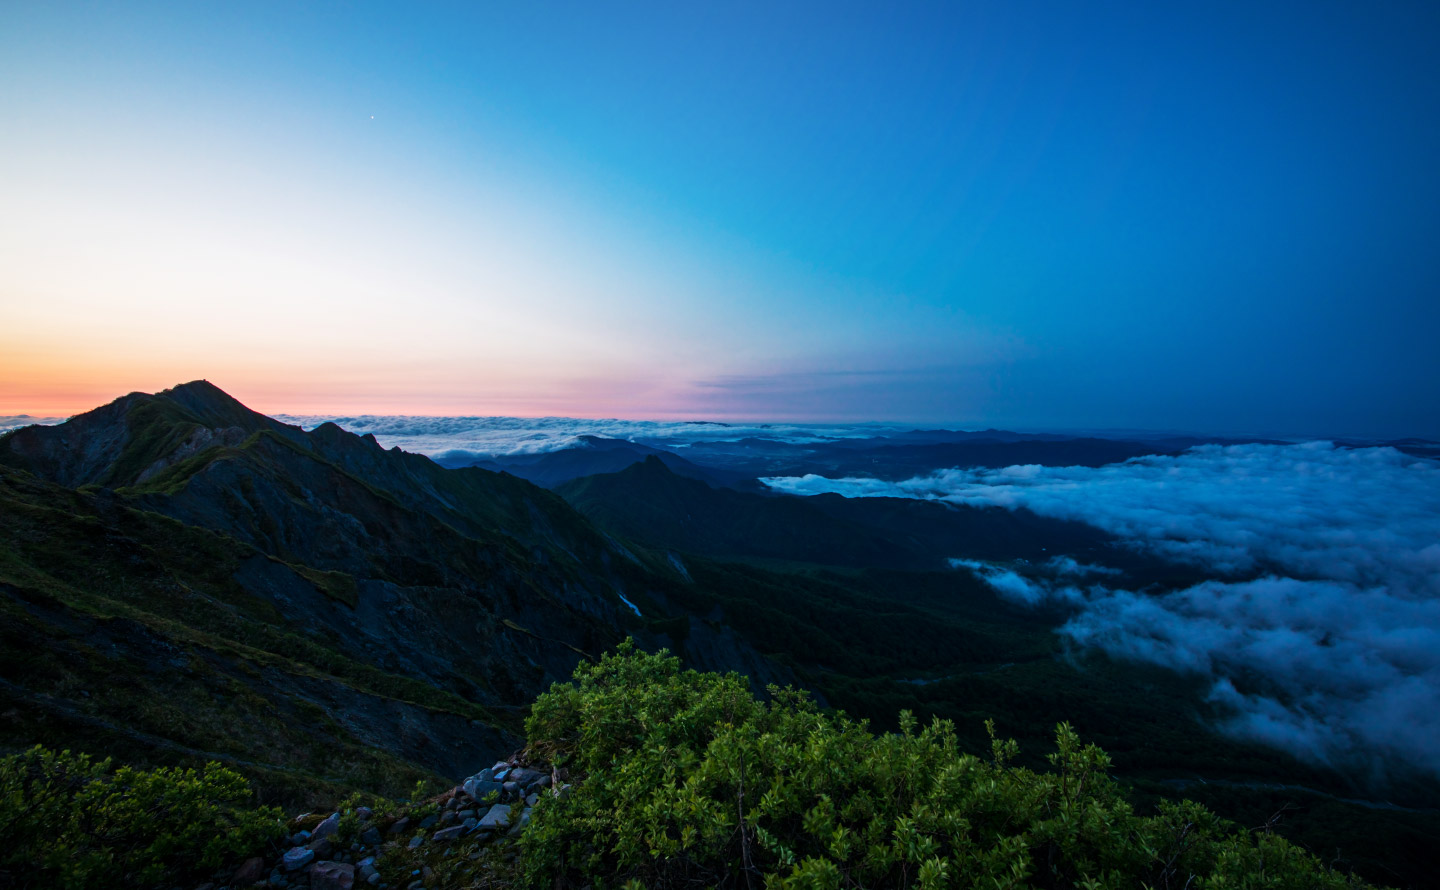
(479, 816)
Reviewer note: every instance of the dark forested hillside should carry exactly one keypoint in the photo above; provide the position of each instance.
(648, 502)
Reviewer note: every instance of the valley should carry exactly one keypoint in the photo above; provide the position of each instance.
(184, 580)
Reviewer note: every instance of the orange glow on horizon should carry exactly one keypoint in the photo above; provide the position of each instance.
(50, 390)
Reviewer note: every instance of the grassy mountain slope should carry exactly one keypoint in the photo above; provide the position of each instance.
(317, 598)
(650, 503)
(130, 633)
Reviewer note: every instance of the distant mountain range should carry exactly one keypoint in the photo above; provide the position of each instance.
(897, 455)
(591, 455)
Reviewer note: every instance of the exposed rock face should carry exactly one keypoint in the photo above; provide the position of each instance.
(201, 439)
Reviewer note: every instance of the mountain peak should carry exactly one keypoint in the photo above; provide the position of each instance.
(195, 388)
(654, 469)
(213, 406)
(136, 435)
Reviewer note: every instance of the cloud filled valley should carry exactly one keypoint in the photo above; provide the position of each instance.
(503, 436)
(1320, 631)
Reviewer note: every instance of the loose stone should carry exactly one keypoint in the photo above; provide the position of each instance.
(297, 858)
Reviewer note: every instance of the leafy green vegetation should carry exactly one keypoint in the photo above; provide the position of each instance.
(67, 821)
(686, 779)
(941, 645)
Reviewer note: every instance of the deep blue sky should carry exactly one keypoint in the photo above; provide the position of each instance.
(1207, 216)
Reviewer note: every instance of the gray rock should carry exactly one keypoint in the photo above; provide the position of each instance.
(478, 788)
(429, 821)
(469, 824)
(496, 818)
(467, 814)
(512, 788)
(373, 878)
(532, 799)
(521, 823)
(297, 858)
(253, 871)
(371, 837)
(448, 817)
(543, 781)
(300, 838)
(400, 825)
(416, 841)
(449, 834)
(364, 812)
(332, 876)
(524, 775)
(328, 827)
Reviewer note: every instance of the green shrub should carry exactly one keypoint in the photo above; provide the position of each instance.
(70, 822)
(685, 779)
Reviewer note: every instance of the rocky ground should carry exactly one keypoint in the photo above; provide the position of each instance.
(460, 835)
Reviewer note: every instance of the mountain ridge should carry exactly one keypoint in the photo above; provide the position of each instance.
(480, 584)
(336, 616)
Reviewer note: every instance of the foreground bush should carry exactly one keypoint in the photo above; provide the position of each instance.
(69, 822)
(685, 779)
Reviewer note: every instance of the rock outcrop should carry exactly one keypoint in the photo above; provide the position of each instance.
(361, 848)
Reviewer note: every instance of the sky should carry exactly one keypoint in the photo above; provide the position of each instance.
(1219, 217)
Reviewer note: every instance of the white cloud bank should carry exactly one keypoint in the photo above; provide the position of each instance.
(498, 436)
(1321, 631)
(15, 421)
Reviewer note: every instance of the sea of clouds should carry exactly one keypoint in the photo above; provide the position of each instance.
(499, 436)
(1320, 632)
(15, 421)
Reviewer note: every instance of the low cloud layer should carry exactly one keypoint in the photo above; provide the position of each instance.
(498, 436)
(1321, 627)
(15, 421)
